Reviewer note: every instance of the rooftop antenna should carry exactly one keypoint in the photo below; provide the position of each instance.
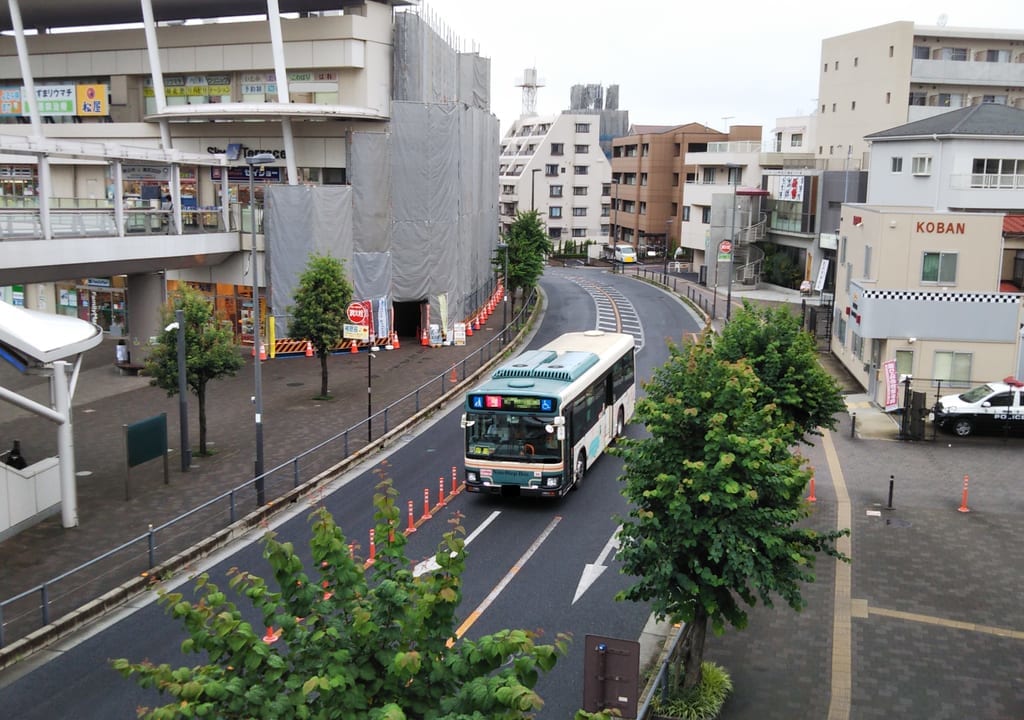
(943, 19)
(725, 121)
(529, 84)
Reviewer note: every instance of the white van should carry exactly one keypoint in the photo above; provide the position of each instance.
(625, 254)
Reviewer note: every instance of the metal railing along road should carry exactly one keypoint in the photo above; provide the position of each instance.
(107, 580)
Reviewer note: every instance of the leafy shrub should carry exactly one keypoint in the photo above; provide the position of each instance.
(703, 702)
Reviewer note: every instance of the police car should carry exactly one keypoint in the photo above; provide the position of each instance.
(995, 406)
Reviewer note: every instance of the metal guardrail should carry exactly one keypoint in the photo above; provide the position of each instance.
(659, 683)
(164, 547)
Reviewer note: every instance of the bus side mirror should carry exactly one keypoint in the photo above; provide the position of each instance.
(464, 423)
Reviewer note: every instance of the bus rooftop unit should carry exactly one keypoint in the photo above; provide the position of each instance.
(544, 416)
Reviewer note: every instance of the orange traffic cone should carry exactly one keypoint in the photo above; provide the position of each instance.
(263, 352)
(309, 349)
(469, 329)
(394, 340)
(476, 321)
(424, 340)
(454, 377)
(355, 347)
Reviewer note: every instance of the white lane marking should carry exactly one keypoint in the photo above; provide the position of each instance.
(591, 572)
(430, 564)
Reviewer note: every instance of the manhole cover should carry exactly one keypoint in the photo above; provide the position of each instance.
(296, 384)
(896, 522)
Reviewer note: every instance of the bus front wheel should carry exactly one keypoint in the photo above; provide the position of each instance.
(578, 470)
(620, 422)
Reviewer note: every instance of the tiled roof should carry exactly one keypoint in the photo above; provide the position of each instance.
(1013, 225)
(985, 119)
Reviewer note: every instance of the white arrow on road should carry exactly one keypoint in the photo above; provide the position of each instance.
(591, 572)
(430, 564)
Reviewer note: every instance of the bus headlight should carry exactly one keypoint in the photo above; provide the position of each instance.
(470, 476)
(551, 482)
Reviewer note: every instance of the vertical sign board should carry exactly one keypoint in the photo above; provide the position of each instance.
(143, 441)
(892, 394)
(611, 675)
(459, 332)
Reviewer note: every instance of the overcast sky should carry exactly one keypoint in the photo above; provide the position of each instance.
(675, 61)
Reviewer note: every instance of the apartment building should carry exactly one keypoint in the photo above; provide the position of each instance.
(901, 72)
(382, 139)
(650, 208)
(558, 164)
(931, 267)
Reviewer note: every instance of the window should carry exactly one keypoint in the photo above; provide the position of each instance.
(952, 100)
(921, 165)
(853, 104)
(705, 215)
(856, 61)
(920, 99)
(833, 107)
(857, 346)
(952, 368)
(643, 207)
(645, 150)
(676, 149)
(582, 127)
(579, 190)
(1000, 56)
(582, 149)
(824, 68)
(555, 191)
(557, 148)
(897, 165)
(551, 170)
(995, 99)
(888, 98)
(580, 169)
(579, 232)
(938, 267)
(554, 232)
(709, 176)
(796, 140)
(686, 213)
(891, 49)
(675, 179)
(836, 65)
(643, 178)
(735, 175)
(955, 54)
(997, 173)
(579, 212)
(841, 329)
(842, 250)
(922, 52)
(904, 362)
(554, 211)
(867, 261)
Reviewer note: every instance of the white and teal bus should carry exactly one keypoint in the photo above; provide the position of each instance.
(543, 417)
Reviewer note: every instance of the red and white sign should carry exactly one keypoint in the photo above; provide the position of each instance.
(359, 312)
(725, 247)
(892, 397)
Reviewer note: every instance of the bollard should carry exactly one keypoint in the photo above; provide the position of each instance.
(811, 498)
(963, 498)
(440, 491)
(853, 424)
(351, 551)
(426, 504)
(455, 480)
(892, 480)
(412, 526)
(373, 549)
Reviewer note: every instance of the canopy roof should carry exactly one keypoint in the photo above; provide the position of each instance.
(41, 14)
(44, 337)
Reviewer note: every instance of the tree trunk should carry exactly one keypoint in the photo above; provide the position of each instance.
(323, 374)
(694, 655)
(201, 395)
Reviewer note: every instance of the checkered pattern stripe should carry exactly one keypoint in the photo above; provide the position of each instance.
(925, 296)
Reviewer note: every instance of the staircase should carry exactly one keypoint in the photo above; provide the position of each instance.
(748, 259)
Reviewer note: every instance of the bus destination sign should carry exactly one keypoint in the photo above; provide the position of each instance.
(512, 403)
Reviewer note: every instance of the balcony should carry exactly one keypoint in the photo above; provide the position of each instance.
(967, 72)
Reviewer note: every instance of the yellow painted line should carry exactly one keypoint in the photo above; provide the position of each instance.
(842, 639)
(946, 623)
(615, 308)
(513, 571)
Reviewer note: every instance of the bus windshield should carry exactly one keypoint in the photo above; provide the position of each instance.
(508, 436)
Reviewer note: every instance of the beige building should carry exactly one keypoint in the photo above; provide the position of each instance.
(892, 74)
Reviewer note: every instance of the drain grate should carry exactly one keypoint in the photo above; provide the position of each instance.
(296, 384)
(897, 522)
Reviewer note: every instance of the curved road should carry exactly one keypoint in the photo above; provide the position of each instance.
(525, 560)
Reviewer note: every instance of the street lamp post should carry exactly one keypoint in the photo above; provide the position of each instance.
(504, 294)
(668, 231)
(186, 450)
(254, 160)
(732, 239)
(369, 394)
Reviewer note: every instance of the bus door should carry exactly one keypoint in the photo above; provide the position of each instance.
(609, 408)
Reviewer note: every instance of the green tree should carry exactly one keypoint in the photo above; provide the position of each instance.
(785, 359)
(318, 315)
(716, 493)
(210, 350)
(345, 641)
(528, 248)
